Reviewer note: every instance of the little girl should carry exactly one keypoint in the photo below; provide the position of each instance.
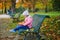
(26, 24)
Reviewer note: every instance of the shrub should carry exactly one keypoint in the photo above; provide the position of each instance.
(51, 28)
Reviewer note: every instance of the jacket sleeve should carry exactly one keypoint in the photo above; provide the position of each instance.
(29, 20)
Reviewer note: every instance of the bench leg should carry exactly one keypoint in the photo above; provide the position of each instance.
(27, 36)
(32, 36)
(38, 36)
(17, 37)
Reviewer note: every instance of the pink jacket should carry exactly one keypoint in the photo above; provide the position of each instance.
(28, 21)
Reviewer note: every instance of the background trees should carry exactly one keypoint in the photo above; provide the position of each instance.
(56, 5)
(46, 5)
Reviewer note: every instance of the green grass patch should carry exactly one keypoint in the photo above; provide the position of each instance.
(48, 13)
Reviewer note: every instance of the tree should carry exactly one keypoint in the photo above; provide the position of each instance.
(32, 4)
(56, 5)
(45, 2)
(1, 5)
(0, 1)
(5, 6)
(13, 5)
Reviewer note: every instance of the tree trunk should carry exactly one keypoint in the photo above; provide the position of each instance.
(2, 7)
(33, 7)
(13, 5)
(46, 9)
(5, 7)
(33, 3)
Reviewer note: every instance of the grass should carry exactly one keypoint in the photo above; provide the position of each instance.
(48, 13)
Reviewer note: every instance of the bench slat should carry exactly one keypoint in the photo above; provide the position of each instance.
(37, 21)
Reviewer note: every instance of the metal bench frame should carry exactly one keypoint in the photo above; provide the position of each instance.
(34, 33)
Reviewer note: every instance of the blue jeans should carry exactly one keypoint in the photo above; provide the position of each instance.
(18, 27)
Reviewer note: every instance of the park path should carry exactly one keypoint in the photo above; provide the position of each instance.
(4, 16)
(4, 24)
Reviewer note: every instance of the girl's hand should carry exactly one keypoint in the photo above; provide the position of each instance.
(21, 23)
